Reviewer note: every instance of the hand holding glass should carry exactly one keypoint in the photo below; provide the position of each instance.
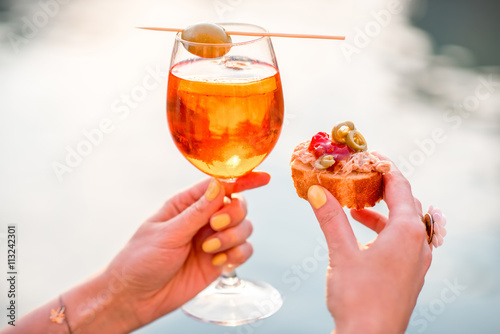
(225, 116)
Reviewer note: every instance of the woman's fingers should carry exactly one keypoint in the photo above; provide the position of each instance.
(231, 214)
(187, 223)
(418, 205)
(186, 198)
(403, 207)
(248, 181)
(181, 201)
(228, 238)
(234, 256)
(371, 219)
(397, 193)
(251, 180)
(333, 222)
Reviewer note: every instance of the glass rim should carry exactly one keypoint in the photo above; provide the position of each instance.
(256, 39)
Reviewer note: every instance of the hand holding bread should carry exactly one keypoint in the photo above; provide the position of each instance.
(373, 288)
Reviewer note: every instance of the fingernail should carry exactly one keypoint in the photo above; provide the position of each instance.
(219, 259)
(316, 196)
(220, 221)
(211, 245)
(212, 190)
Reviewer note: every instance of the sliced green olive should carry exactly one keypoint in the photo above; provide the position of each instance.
(325, 161)
(356, 141)
(340, 131)
(209, 34)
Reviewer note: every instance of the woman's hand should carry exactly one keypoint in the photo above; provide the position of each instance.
(173, 255)
(373, 288)
(178, 252)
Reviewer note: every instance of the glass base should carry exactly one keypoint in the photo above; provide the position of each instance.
(230, 301)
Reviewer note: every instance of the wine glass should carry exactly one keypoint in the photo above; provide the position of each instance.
(225, 116)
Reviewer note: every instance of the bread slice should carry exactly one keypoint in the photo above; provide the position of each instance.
(355, 190)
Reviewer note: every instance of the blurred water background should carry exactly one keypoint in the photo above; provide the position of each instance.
(420, 78)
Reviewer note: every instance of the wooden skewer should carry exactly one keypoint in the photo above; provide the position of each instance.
(270, 34)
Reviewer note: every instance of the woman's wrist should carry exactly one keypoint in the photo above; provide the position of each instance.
(39, 321)
(100, 305)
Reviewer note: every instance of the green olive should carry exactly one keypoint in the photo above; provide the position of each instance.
(341, 129)
(206, 33)
(356, 141)
(325, 162)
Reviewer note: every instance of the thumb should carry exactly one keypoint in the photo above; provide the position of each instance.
(189, 221)
(333, 221)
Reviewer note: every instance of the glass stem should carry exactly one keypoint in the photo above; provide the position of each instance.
(228, 279)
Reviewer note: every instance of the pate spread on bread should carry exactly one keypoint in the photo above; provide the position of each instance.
(341, 164)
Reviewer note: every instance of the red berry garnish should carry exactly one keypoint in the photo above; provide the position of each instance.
(322, 144)
(342, 151)
(320, 137)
